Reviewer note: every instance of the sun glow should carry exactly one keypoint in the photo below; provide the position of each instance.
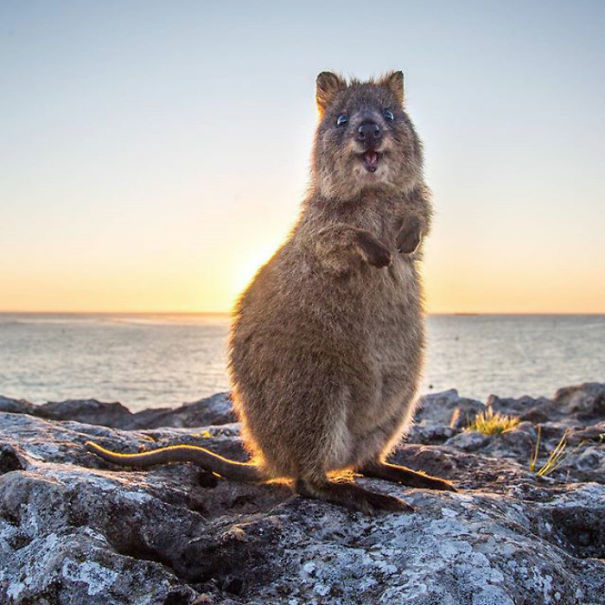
(249, 266)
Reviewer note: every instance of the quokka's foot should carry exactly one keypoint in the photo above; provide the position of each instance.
(373, 251)
(404, 475)
(408, 238)
(352, 497)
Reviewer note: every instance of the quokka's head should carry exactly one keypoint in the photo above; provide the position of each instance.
(365, 139)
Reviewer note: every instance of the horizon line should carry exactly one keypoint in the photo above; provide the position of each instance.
(459, 313)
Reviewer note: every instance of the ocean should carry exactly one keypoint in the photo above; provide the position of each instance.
(164, 360)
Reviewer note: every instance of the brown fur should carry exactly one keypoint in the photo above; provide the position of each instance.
(326, 343)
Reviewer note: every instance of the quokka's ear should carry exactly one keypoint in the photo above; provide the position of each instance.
(326, 86)
(394, 82)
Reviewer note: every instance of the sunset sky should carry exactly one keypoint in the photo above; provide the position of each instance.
(154, 154)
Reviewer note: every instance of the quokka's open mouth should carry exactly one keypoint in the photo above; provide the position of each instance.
(370, 160)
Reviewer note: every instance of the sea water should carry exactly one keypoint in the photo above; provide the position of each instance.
(157, 360)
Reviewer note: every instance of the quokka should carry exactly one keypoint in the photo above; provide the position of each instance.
(326, 343)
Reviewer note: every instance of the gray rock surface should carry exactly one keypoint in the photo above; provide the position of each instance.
(74, 529)
(210, 410)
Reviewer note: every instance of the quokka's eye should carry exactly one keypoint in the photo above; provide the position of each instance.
(342, 120)
(388, 115)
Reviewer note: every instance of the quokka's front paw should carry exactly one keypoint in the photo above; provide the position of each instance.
(373, 251)
(408, 238)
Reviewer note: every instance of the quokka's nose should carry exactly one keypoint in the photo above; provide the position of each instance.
(369, 132)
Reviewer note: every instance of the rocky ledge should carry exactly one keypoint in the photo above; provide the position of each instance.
(75, 530)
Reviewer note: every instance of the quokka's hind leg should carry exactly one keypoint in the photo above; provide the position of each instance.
(404, 475)
(351, 496)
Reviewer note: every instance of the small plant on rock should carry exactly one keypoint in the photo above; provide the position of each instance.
(556, 457)
(493, 423)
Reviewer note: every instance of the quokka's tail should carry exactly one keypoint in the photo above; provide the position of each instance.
(230, 469)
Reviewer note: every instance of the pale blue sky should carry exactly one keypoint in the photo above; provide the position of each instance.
(154, 153)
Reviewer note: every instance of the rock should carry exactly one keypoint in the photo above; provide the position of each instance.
(448, 408)
(470, 441)
(585, 401)
(90, 411)
(16, 406)
(579, 405)
(517, 407)
(429, 433)
(210, 410)
(216, 409)
(74, 529)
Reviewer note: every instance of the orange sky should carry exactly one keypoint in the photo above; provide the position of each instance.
(457, 279)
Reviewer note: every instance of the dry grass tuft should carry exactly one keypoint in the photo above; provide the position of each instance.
(493, 423)
(555, 458)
